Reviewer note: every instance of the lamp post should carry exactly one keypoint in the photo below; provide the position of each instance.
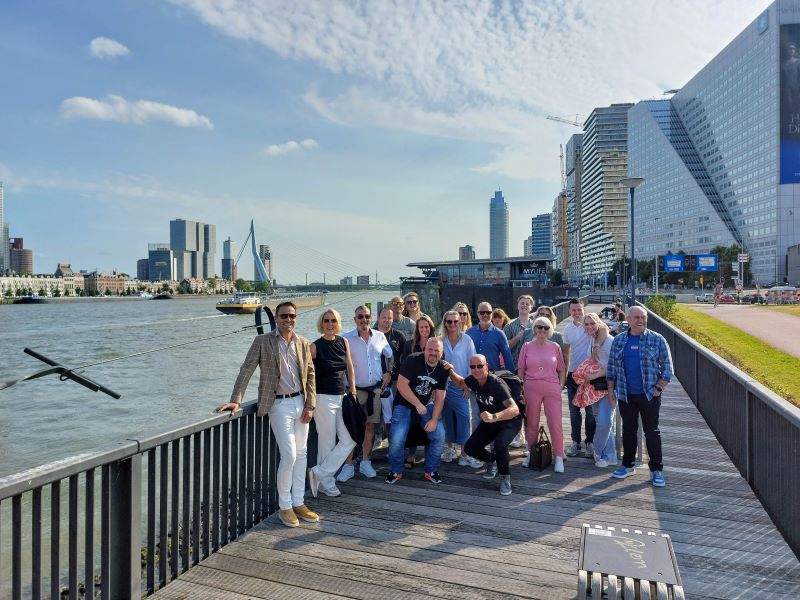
(632, 183)
(657, 219)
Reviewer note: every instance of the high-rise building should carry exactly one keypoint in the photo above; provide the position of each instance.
(574, 171)
(466, 253)
(709, 183)
(498, 226)
(265, 255)
(228, 259)
(193, 244)
(603, 199)
(5, 251)
(527, 246)
(346, 280)
(559, 238)
(143, 269)
(541, 234)
(162, 264)
(21, 258)
(362, 280)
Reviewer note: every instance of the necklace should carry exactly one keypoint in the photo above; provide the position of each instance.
(429, 371)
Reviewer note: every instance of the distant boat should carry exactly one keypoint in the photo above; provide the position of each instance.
(145, 295)
(163, 296)
(31, 299)
(242, 303)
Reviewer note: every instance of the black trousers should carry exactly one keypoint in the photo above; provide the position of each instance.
(501, 433)
(638, 404)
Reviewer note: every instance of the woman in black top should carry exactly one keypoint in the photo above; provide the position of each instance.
(331, 354)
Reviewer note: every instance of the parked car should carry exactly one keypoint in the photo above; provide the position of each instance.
(726, 299)
(707, 297)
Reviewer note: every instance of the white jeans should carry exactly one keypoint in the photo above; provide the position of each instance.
(330, 425)
(292, 438)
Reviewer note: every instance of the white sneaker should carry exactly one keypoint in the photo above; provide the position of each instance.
(574, 449)
(589, 449)
(346, 474)
(559, 466)
(313, 482)
(448, 454)
(599, 462)
(519, 441)
(527, 462)
(365, 468)
(468, 461)
(331, 491)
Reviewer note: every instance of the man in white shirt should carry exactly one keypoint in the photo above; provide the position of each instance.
(577, 348)
(366, 348)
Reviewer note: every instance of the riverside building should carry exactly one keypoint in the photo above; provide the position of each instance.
(5, 251)
(194, 246)
(574, 170)
(541, 234)
(721, 157)
(498, 226)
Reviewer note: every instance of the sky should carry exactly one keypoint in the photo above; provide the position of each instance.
(359, 136)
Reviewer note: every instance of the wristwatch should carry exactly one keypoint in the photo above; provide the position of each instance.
(494, 416)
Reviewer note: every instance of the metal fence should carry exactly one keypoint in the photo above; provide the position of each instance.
(759, 430)
(127, 521)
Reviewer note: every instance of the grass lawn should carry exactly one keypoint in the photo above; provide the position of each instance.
(791, 309)
(766, 364)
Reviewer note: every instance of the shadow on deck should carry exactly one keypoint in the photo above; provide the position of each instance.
(462, 540)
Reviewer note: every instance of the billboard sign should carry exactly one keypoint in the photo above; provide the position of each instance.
(673, 263)
(790, 103)
(707, 262)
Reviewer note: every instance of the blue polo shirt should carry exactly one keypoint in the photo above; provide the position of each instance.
(631, 358)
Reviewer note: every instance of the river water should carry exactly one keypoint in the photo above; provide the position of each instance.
(45, 419)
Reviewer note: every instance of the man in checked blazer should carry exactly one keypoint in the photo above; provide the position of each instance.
(287, 393)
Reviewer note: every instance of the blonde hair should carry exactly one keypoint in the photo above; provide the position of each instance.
(552, 316)
(600, 335)
(460, 307)
(442, 330)
(334, 312)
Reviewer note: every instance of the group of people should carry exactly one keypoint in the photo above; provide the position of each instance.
(449, 386)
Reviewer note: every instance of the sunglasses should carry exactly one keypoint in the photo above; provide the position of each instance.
(545, 314)
(464, 314)
(543, 327)
(484, 312)
(480, 366)
(360, 317)
(287, 316)
(397, 303)
(451, 321)
(412, 301)
(329, 321)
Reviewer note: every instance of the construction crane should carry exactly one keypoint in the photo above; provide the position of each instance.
(563, 169)
(577, 122)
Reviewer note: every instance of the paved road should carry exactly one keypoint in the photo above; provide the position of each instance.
(777, 329)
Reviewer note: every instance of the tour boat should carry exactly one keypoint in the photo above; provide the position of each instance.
(242, 303)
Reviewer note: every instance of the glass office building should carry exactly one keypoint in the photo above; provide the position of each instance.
(721, 157)
(498, 226)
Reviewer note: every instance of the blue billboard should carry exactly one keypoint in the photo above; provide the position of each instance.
(707, 262)
(673, 263)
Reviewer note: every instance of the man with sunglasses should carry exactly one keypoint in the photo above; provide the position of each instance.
(287, 393)
(490, 341)
(367, 346)
(500, 420)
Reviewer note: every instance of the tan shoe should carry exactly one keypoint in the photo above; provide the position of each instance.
(305, 513)
(288, 518)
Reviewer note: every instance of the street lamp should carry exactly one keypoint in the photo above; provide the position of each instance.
(632, 183)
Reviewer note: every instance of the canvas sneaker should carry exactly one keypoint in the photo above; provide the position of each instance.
(393, 477)
(468, 461)
(505, 485)
(346, 474)
(433, 477)
(574, 449)
(658, 479)
(365, 468)
(623, 472)
(491, 471)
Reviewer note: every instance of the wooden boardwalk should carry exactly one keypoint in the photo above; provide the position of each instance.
(462, 540)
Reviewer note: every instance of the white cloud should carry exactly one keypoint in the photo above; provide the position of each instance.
(290, 147)
(117, 108)
(487, 70)
(103, 47)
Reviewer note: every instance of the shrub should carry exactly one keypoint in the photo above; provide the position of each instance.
(661, 305)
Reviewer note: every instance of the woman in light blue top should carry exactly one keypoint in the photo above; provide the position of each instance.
(605, 450)
(458, 349)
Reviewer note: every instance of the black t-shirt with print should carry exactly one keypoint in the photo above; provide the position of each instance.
(492, 395)
(422, 379)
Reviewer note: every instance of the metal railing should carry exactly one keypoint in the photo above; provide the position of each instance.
(758, 429)
(133, 518)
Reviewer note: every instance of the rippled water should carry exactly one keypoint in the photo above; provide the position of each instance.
(45, 419)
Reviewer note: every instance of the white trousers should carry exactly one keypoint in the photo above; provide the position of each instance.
(292, 437)
(330, 425)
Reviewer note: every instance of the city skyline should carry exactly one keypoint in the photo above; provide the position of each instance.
(217, 113)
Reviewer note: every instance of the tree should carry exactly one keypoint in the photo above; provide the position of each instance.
(242, 286)
(262, 286)
(212, 284)
(9, 293)
(56, 293)
(165, 287)
(556, 277)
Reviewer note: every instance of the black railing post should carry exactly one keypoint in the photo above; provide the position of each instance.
(125, 518)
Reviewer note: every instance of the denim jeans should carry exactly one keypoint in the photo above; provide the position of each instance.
(401, 423)
(604, 442)
(456, 415)
(575, 414)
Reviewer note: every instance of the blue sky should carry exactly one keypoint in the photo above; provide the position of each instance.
(359, 135)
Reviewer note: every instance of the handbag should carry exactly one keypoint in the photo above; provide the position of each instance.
(600, 384)
(541, 452)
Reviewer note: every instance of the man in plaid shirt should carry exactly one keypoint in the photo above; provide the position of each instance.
(639, 368)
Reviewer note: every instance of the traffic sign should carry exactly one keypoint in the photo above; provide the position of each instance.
(738, 286)
(744, 257)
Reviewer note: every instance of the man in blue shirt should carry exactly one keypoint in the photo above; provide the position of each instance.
(639, 368)
(491, 341)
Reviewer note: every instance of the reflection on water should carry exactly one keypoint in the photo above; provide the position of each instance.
(45, 420)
